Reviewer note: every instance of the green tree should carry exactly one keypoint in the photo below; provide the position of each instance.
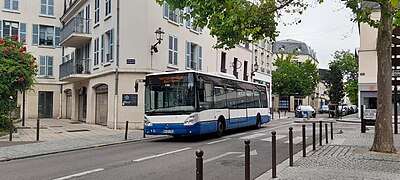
(17, 71)
(292, 77)
(335, 83)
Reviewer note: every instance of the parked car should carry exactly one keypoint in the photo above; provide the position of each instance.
(324, 109)
(344, 110)
(303, 111)
(332, 110)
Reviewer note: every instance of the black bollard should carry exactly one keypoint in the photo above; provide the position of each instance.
(199, 164)
(11, 129)
(320, 133)
(126, 130)
(326, 133)
(247, 159)
(313, 136)
(279, 114)
(290, 146)
(273, 154)
(304, 140)
(332, 130)
(285, 112)
(37, 129)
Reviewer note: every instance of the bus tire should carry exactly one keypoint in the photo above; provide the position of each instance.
(220, 127)
(258, 123)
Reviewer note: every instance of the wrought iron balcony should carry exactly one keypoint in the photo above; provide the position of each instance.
(76, 32)
(75, 70)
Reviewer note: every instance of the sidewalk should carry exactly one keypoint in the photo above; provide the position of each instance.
(345, 157)
(283, 115)
(61, 135)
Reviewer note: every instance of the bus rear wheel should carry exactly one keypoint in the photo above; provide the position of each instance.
(220, 128)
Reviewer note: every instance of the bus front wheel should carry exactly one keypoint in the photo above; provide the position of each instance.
(220, 128)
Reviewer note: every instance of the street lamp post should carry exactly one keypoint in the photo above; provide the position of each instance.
(11, 123)
(159, 37)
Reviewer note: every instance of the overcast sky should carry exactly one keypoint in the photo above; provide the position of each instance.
(325, 27)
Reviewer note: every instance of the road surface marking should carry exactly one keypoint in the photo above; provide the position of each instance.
(252, 153)
(270, 138)
(80, 174)
(296, 140)
(222, 140)
(269, 129)
(252, 136)
(159, 155)
(234, 135)
(220, 156)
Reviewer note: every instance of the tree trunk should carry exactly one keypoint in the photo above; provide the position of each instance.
(383, 139)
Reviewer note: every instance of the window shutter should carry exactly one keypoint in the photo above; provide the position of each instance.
(175, 51)
(111, 45)
(188, 20)
(57, 36)
(22, 32)
(165, 9)
(50, 7)
(181, 14)
(42, 65)
(15, 5)
(200, 58)
(102, 49)
(187, 54)
(35, 34)
(43, 6)
(1, 28)
(7, 4)
(50, 60)
(170, 49)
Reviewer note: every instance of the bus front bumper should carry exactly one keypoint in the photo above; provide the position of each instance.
(180, 129)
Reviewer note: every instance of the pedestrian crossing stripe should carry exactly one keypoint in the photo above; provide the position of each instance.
(253, 136)
(277, 137)
(295, 140)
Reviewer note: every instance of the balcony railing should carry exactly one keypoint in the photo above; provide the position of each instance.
(77, 25)
(72, 67)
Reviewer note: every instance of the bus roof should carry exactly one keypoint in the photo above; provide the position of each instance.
(227, 76)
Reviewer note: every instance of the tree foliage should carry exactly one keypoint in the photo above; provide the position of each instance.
(335, 83)
(292, 77)
(237, 21)
(17, 71)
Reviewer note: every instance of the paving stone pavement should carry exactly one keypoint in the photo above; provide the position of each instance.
(346, 157)
(60, 136)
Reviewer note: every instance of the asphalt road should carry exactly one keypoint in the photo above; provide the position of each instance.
(165, 158)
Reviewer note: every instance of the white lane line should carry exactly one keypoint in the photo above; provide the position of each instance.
(159, 155)
(79, 174)
(269, 129)
(235, 135)
(296, 140)
(252, 136)
(220, 156)
(270, 138)
(222, 140)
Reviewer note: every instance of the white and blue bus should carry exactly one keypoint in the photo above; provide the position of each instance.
(191, 102)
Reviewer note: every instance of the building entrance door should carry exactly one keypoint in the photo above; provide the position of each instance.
(45, 107)
(101, 105)
(68, 105)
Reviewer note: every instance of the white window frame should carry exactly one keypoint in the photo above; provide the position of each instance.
(36, 35)
(96, 11)
(102, 55)
(189, 23)
(47, 6)
(46, 66)
(13, 5)
(173, 50)
(196, 58)
(173, 16)
(110, 46)
(107, 8)
(96, 52)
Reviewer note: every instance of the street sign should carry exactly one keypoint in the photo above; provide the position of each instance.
(396, 73)
(129, 99)
(370, 114)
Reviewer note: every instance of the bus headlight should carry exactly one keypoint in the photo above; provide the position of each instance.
(191, 120)
(147, 122)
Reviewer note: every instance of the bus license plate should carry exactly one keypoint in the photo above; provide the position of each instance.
(168, 131)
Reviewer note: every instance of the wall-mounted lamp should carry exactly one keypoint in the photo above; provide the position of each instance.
(159, 36)
(255, 67)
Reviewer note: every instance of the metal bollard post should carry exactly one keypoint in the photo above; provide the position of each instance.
(290, 146)
(37, 129)
(247, 159)
(199, 164)
(304, 140)
(285, 112)
(331, 130)
(326, 133)
(313, 136)
(11, 129)
(320, 133)
(279, 114)
(126, 130)
(273, 154)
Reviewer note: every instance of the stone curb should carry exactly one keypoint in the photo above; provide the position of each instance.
(80, 148)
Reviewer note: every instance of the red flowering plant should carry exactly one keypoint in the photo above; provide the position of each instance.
(17, 71)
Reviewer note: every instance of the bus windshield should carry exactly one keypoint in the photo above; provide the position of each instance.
(170, 94)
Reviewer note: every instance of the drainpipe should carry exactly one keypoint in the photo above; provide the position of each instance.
(116, 71)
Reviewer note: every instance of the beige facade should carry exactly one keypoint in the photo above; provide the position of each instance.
(38, 23)
(107, 54)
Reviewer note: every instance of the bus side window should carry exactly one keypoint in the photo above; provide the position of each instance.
(219, 98)
(257, 99)
(249, 99)
(231, 98)
(206, 96)
(241, 98)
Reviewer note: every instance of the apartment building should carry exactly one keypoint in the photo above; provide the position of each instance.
(37, 22)
(304, 52)
(108, 47)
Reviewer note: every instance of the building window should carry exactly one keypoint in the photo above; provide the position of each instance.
(223, 62)
(173, 51)
(10, 29)
(47, 7)
(110, 46)
(11, 4)
(96, 52)
(46, 66)
(45, 35)
(194, 56)
(173, 15)
(96, 11)
(108, 7)
(190, 22)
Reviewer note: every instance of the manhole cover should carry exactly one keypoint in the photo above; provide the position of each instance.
(77, 130)
(232, 163)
